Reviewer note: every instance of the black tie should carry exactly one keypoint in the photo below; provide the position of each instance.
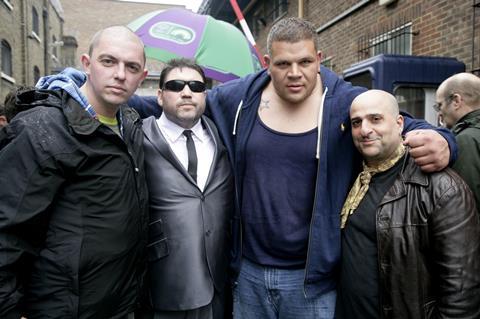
(192, 155)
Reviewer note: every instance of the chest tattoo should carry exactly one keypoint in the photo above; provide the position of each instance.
(264, 104)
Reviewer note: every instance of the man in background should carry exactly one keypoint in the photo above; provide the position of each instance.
(458, 104)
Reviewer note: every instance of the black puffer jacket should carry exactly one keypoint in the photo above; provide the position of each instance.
(73, 213)
(428, 238)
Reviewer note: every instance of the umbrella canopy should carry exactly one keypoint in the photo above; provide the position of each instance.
(219, 47)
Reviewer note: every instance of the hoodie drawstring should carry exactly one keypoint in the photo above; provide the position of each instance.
(237, 115)
(319, 123)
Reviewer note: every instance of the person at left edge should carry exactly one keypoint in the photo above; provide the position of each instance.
(73, 219)
(191, 201)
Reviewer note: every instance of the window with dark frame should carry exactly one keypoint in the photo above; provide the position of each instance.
(411, 100)
(54, 46)
(36, 74)
(395, 40)
(35, 22)
(6, 58)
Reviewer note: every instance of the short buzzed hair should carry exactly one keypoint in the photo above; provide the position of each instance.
(98, 35)
(465, 84)
(180, 63)
(291, 30)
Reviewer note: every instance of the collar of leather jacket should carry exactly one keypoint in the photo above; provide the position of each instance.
(410, 173)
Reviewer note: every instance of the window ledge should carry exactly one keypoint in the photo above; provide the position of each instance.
(8, 4)
(7, 77)
(36, 37)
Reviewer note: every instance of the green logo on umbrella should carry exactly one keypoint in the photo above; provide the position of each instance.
(172, 32)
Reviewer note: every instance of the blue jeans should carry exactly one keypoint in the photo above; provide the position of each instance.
(271, 293)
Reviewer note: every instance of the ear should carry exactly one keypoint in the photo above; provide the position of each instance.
(267, 60)
(457, 101)
(319, 56)
(400, 122)
(160, 97)
(145, 73)
(85, 60)
(3, 121)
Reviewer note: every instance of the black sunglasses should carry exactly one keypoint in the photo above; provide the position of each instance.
(178, 85)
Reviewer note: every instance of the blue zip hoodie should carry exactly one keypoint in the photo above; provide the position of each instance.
(233, 106)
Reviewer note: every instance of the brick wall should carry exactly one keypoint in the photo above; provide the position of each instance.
(28, 50)
(444, 27)
(10, 31)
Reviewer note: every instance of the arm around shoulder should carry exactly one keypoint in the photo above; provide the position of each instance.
(433, 148)
(146, 106)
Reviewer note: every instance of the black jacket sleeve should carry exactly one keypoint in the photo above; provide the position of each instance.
(29, 180)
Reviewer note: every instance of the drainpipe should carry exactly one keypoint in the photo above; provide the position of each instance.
(300, 9)
(46, 38)
(23, 40)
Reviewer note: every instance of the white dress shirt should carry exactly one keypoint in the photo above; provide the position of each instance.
(204, 146)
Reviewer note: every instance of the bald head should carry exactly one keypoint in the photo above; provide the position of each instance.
(457, 96)
(380, 98)
(115, 32)
(465, 84)
(376, 125)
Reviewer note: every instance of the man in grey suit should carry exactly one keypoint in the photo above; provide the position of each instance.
(191, 200)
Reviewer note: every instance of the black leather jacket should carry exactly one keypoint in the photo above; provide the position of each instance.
(428, 239)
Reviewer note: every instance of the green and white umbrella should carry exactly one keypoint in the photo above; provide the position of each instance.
(219, 47)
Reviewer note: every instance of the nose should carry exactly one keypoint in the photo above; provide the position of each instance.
(294, 70)
(366, 128)
(120, 72)
(186, 91)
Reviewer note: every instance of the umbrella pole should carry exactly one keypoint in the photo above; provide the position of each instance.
(246, 30)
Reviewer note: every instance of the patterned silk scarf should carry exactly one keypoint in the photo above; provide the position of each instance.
(360, 187)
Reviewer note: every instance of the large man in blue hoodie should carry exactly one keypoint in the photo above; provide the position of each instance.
(288, 135)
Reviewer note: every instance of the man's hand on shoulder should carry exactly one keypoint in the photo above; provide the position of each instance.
(429, 149)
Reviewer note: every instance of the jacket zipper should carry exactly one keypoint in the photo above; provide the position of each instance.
(237, 197)
(310, 233)
(317, 155)
(136, 171)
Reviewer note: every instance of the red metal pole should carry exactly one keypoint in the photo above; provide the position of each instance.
(246, 30)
